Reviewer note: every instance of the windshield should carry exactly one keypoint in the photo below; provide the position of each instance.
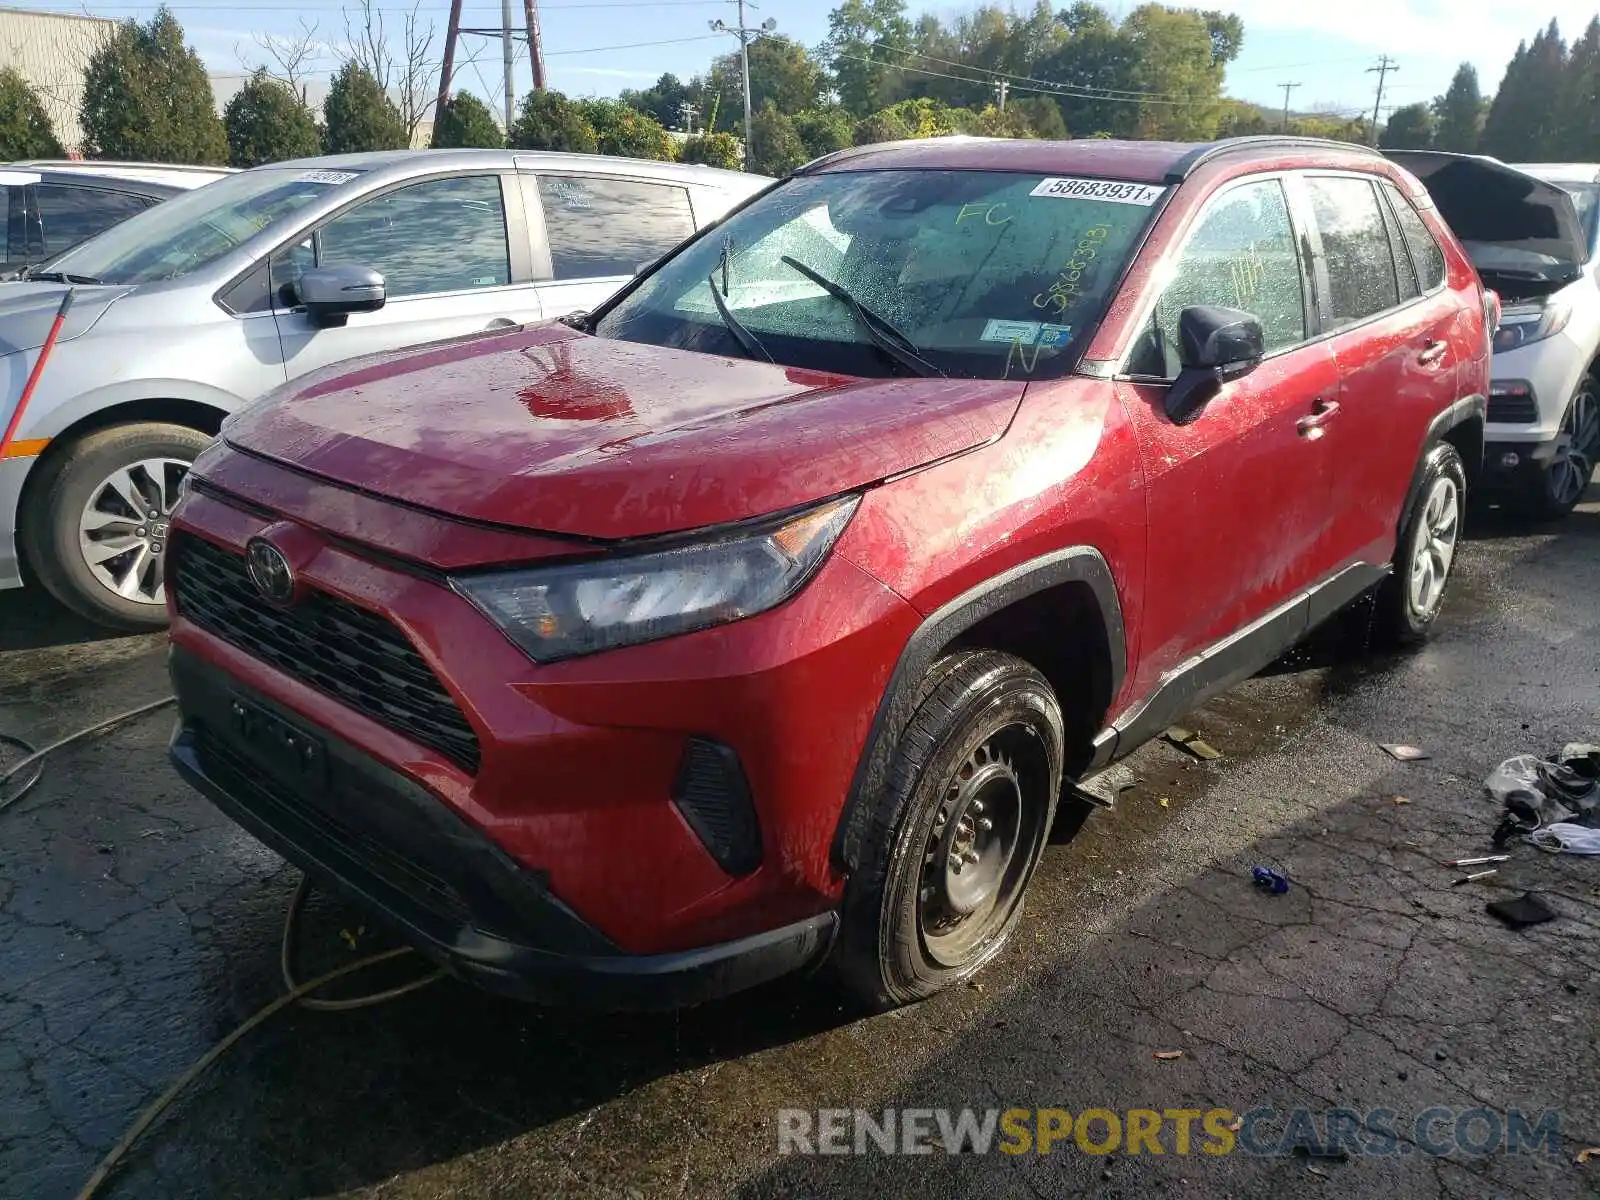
(1586, 199)
(983, 274)
(198, 227)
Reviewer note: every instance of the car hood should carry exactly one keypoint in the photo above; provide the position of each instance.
(1522, 234)
(27, 310)
(548, 429)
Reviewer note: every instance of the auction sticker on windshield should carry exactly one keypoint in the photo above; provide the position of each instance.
(1144, 194)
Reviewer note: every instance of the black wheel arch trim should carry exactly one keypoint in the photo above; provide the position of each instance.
(1468, 408)
(1074, 564)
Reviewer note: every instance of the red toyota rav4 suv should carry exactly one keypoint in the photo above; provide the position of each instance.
(759, 617)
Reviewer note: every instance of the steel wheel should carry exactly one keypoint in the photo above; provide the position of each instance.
(1435, 546)
(122, 531)
(979, 851)
(1573, 466)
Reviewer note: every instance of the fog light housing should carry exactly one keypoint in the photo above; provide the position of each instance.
(1510, 460)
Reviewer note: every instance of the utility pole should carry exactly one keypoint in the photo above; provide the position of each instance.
(746, 35)
(1287, 88)
(688, 111)
(1001, 87)
(505, 54)
(1385, 65)
(509, 35)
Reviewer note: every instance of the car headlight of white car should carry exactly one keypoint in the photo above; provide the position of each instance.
(1524, 324)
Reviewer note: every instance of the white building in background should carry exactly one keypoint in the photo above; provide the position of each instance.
(52, 51)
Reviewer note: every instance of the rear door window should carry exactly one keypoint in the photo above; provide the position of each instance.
(1355, 247)
(1425, 252)
(69, 215)
(600, 227)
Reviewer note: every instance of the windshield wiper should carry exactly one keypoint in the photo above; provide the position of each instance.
(743, 336)
(884, 335)
(61, 277)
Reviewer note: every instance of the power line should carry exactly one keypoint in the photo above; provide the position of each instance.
(1287, 88)
(1050, 89)
(1018, 78)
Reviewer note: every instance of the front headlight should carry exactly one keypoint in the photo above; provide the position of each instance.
(584, 607)
(1522, 324)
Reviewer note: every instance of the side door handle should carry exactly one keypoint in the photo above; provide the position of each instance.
(1322, 412)
(1432, 353)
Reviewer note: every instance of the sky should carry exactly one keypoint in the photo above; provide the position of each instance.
(598, 47)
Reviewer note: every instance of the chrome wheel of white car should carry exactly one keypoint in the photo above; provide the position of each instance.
(1579, 444)
(1435, 546)
(122, 530)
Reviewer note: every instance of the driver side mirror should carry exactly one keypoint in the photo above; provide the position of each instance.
(1215, 345)
(330, 294)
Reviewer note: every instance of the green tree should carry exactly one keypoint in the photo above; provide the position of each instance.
(626, 131)
(266, 123)
(466, 121)
(1044, 117)
(1460, 113)
(1012, 123)
(1410, 127)
(1098, 60)
(549, 121)
(1578, 109)
(25, 130)
(925, 117)
(146, 96)
(885, 125)
(824, 130)
(360, 117)
(775, 147)
(781, 71)
(1176, 59)
(1241, 119)
(1522, 121)
(665, 98)
(713, 150)
(861, 71)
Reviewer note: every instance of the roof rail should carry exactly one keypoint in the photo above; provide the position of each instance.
(1200, 155)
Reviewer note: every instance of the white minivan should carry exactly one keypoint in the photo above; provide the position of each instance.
(186, 312)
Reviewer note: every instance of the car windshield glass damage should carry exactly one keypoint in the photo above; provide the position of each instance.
(197, 228)
(982, 274)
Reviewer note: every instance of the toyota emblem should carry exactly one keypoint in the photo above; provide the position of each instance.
(269, 571)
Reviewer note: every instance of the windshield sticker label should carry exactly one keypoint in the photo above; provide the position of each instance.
(326, 176)
(1143, 194)
(1026, 332)
(1054, 335)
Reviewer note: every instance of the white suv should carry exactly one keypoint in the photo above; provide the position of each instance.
(1530, 230)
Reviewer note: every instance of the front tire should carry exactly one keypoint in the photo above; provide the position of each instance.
(1551, 493)
(957, 833)
(94, 526)
(1410, 599)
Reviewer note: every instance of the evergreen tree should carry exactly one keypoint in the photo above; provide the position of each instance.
(549, 121)
(147, 97)
(466, 121)
(25, 130)
(360, 117)
(1578, 112)
(1044, 116)
(266, 122)
(1522, 121)
(1460, 113)
(1410, 128)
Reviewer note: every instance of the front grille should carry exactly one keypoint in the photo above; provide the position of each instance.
(1513, 409)
(356, 657)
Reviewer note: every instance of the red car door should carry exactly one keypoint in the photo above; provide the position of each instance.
(1238, 497)
(1397, 346)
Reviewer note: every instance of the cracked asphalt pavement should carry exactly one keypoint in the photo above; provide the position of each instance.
(137, 927)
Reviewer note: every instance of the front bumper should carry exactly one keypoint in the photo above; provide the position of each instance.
(449, 890)
(13, 472)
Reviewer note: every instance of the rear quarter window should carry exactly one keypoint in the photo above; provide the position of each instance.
(1425, 253)
(599, 227)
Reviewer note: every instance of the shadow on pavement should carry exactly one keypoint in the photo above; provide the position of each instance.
(30, 619)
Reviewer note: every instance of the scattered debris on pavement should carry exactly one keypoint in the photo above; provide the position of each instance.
(1404, 753)
(1167, 1055)
(1527, 909)
(1189, 740)
(1269, 880)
